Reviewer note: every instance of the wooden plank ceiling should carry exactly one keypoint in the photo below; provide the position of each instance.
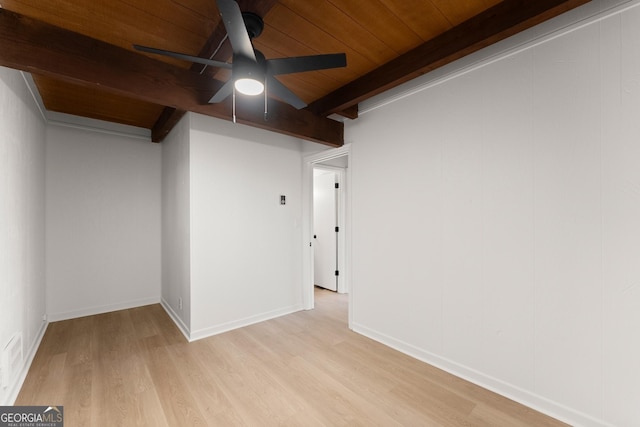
(81, 56)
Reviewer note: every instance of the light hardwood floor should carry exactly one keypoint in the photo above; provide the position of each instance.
(133, 367)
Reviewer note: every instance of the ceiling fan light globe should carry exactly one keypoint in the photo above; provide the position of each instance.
(249, 86)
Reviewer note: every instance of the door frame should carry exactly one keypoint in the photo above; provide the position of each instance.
(344, 282)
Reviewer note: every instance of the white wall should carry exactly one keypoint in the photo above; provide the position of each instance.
(246, 249)
(502, 241)
(176, 261)
(102, 222)
(22, 257)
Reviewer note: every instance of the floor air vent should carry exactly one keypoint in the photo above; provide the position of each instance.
(11, 360)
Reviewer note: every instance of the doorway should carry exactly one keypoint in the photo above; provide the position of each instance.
(326, 227)
(335, 162)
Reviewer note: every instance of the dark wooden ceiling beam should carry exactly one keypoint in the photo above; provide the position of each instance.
(496, 23)
(350, 112)
(36, 47)
(171, 116)
(214, 48)
(167, 120)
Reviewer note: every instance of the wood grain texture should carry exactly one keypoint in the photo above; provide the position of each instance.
(216, 47)
(387, 42)
(95, 103)
(40, 48)
(134, 368)
(504, 19)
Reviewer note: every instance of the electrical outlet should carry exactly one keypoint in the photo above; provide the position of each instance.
(179, 303)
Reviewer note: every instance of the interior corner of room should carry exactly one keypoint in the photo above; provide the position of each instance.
(489, 208)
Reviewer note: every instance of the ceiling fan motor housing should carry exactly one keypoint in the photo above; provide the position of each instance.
(254, 24)
(245, 68)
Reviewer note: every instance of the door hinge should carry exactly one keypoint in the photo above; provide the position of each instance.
(337, 185)
(337, 272)
(337, 229)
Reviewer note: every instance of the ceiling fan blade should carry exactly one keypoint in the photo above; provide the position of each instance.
(236, 29)
(281, 91)
(183, 56)
(223, 93)
(300, 64)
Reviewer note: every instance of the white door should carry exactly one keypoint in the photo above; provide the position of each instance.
(324, 229)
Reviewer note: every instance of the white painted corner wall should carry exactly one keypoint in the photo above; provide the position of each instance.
(22, 230)
(102, 222)
(88, 217)
(232, 255)
(502, 240)
(246, 248)
(176, 229)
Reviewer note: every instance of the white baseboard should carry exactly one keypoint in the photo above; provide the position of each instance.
(54, 317)
(235, 324)
(176, 319)
(15, 387)
(527, 398)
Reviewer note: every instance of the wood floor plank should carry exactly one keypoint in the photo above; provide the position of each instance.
(134, 368)
(357, 374)
(77, 387)
(213, 400)
(79, 346)
(178, 401)
(49, 377)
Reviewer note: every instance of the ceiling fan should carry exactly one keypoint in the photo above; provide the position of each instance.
(250, 71)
